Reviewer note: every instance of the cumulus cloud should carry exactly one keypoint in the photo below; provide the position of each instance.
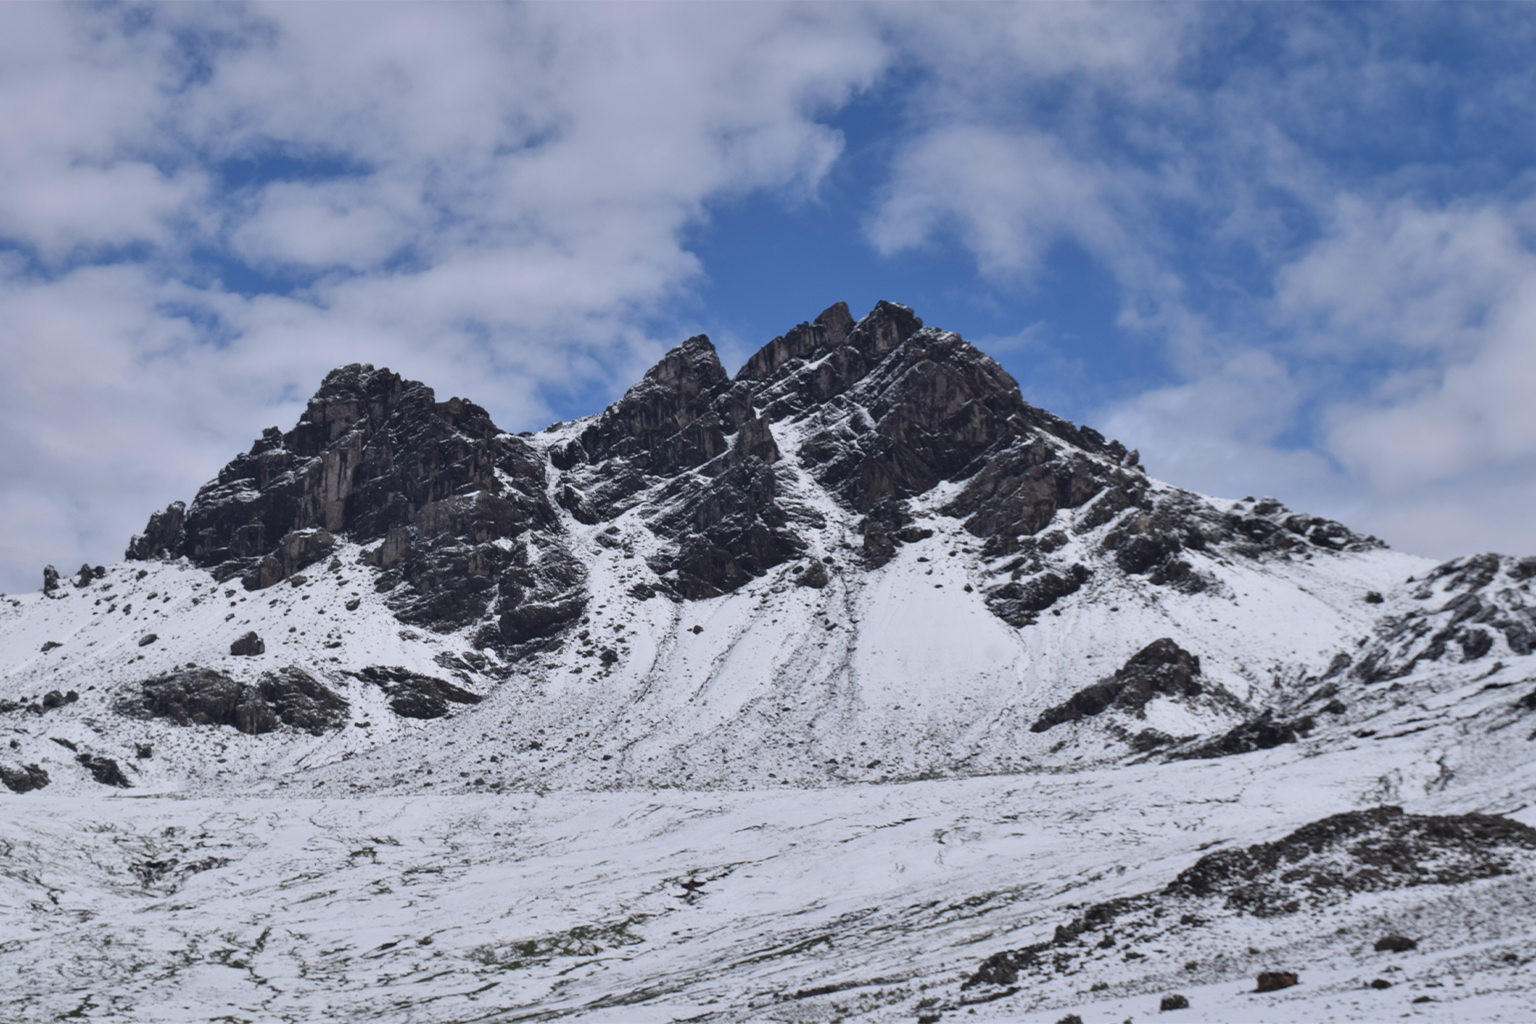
(1445, 299)
(203, 208)
(1009, 196)
(488, 197)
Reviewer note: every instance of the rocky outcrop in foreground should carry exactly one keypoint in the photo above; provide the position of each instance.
(1380, 849)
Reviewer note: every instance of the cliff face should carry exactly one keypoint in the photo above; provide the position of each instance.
(434, 485)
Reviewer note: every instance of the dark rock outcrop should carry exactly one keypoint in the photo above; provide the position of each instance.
(301, 701)
(412, 695)
(1472, 603)
(299, 549)
(201, 696)
(104, 770)
(1162, 667)
(23, 778)
(693, 442)
(463, 521)
(248, 645)
(163, 537)
(1321, 863)
(1018, 602)
(377, 458)
(1358, 851)
(1260, 733)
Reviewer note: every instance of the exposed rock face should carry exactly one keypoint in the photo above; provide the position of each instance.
(692, 442)
(378, 458)
(104, 770)
(23, 778)
(1260, 733)
(1478, 604)
(1162, 667)
(300, 700)
(412, 695)
(463, 522)
(202, 696)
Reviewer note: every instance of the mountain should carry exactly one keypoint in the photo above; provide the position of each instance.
(860, 602)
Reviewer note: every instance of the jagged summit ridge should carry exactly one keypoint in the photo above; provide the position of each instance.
(866, 539)
(883, 410)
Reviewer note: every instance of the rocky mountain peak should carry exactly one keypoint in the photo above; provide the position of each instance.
(721, 475)
(676, 418)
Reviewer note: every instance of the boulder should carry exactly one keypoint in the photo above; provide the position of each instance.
(104, 770)
(23, 778)
(248, 645)
(1274, 981)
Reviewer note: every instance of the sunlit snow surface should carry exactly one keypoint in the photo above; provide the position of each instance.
(848, 771)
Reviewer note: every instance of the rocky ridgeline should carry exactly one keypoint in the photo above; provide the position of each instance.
(1322, 864)
(1462, 610)
(458, 513)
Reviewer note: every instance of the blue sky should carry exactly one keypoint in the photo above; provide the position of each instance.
(1281, 249)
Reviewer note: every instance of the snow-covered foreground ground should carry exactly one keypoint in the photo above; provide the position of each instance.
(571, 905)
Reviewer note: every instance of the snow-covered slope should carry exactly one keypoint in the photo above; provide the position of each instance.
(905, 670)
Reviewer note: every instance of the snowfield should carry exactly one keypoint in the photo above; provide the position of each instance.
(393, 871)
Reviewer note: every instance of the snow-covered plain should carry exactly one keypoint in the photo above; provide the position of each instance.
(849, 771)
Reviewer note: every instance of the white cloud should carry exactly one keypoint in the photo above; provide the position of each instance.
(500, 194)
(1445, 298)
(1009, 195)
(502, 205)
(1402, 358)
(1218, 433)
